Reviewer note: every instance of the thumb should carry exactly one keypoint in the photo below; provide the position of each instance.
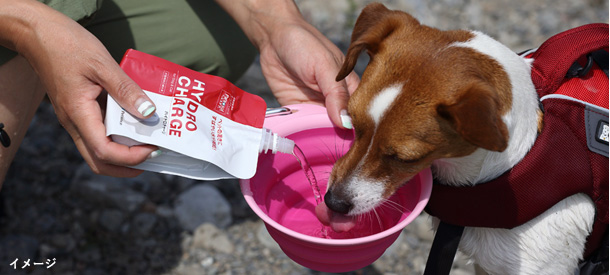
(128, 94)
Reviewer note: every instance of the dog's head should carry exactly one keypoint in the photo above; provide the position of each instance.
(426, 94)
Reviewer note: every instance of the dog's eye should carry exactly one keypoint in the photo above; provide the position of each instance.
(396, 158)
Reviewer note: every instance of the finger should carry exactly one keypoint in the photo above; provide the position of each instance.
(337, 96)
(102, 168)
(126, 92)
(352, 80)
(336, 106)
(89, 127)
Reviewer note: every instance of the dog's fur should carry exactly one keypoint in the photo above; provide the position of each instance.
(465, 105)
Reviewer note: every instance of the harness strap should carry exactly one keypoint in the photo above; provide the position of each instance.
(601, 58)
(443, 249)
(598, 262)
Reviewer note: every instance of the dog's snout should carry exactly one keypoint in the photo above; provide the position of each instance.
(337, 204)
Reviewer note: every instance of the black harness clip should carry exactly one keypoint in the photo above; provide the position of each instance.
(4, 138)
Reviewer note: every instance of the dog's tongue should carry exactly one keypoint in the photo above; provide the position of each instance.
(338, 222)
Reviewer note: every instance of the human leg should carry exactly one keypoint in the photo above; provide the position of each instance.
(20, 94)
(196, 34)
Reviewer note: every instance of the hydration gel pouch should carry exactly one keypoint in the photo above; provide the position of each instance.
(206, 127)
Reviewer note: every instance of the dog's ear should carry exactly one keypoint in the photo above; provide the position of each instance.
(373, 25)
(476, 117)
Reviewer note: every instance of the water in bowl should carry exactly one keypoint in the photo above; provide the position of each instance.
(317, 231)
(301, 216)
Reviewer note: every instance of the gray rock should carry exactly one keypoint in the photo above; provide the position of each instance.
(422, 226)
(188, 269)
(94, 271)
(143, 223)
(64, 242)
(20, 247)
(208, 236)
(90, 254)
(111, 219)
(164, 211)
(265, 238)
(108, 191)
(46, 223)
(392, 249)
(200, 204)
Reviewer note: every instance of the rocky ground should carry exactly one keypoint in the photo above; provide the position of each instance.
(64, 219)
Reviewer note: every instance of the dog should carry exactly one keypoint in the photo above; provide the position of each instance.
(463, 104)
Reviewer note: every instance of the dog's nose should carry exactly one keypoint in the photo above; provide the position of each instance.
(337, 204)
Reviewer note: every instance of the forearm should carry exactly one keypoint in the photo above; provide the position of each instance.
(18, 20)
(260, 18)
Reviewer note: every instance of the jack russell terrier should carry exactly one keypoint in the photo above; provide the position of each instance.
(465, 105)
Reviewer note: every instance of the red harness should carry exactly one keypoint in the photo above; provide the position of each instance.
(562, 162)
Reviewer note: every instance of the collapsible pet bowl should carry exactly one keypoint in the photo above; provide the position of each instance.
(281, 196)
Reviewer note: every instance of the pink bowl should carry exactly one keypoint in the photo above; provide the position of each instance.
(281, 196)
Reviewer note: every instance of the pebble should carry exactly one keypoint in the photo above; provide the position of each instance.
(20, 246)
(423, 227)
(200, 204)
(143, 223)
(164, 211)
(108, 191)
(208, 236)
(53, 206)
(265, 238)
(64, 242)
(111, 219)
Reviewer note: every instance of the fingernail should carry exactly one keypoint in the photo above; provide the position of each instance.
(146, 108)
(346, 121)
(154, 154)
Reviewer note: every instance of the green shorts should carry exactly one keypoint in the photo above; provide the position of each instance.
(197, 34)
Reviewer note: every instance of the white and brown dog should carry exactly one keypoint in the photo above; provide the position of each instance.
(465, 105)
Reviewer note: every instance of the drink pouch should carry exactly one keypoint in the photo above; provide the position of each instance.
(206, 127)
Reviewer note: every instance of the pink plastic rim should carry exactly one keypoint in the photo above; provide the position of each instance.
(425, 175)
(313, 117)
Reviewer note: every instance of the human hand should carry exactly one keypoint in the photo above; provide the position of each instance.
(75, 69)
(300, 65)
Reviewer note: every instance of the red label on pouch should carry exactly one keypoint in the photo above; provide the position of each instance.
(214, 93)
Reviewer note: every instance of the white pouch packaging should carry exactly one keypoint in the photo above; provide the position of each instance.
(206, 127)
